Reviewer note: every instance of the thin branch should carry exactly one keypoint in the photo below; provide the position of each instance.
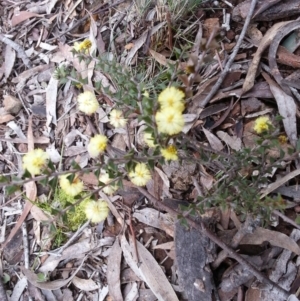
(286, 219)
(202, 228)
(236, 48)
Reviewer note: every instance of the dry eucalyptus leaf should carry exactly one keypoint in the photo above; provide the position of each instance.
(85, 284)
(10, 57)
(114, 271)
(18, 289)
(273, 237)
(233, 142)
(22, 16)
(153, 275)
(264, 43)
(12, 104)
(48, 285)
(77, 250)
(51, 100)
(214, 141)
(156, 219)
(287, 109)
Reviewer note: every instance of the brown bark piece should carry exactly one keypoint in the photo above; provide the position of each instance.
(267, 10)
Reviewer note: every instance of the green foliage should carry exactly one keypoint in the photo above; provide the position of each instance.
(244, 174)
(76, 215)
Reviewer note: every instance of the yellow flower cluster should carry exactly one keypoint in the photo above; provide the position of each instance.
(83, 46)
(169, 118)
(170, 153)
(262, 124)
(96, 211)
(35, 160)
(140, 175)
(117, 119)
(104, 178)
(97, 145)
(87, 102)
(70, 188)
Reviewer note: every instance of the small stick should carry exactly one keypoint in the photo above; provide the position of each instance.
(136, 254)
(18, 48)
(223, 74)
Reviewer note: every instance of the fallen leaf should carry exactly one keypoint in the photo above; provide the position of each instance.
(114, 271)
(156, 219)
(50, 5)
(51, 100)
(12, 104)
(264, 43)
(153, 275)
(18, 289)
(49, 285)
(161, 59)
(140, 42)
(6, 118)
(233, 142)
(279, 183)
(10, 57)
(214, 142)
(286, 107)
(78, 250)
(128, 46)
(275, 238)
(85, 284)
(23, 16)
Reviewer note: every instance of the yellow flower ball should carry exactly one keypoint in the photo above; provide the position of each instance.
(35, 160)
(70, 188)
(171, 98)
(109, 189)
(87, 102)
(140, 175)
(170, 153)
(169, 121)
(149, 140)
(117, 119)
(96, 211)
(262, 124)
(83, 46)
(97, 145)
(282, 139)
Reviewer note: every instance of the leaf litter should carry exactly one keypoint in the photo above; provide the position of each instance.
(95, 272)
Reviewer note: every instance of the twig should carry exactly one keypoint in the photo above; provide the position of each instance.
(286, 219)
(18, 48)
(26, 248)
(135, 253)
(205, 231)
(236, 48)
